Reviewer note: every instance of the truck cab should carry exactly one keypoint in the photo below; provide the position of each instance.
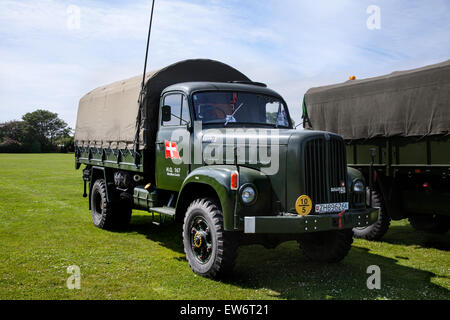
(201, 113)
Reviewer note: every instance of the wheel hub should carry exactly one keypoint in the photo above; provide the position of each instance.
(201, 240)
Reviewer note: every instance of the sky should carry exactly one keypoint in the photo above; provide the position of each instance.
(54, 52)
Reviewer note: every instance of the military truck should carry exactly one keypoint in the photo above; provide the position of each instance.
(399, 125)
(217, 152)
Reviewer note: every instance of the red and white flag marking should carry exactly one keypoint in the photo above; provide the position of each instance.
(172, 150)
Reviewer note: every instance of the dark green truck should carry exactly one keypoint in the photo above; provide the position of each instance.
(217, 152)
(399, 125)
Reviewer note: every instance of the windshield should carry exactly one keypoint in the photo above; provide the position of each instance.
(240, 108)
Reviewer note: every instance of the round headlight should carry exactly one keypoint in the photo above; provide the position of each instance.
(358, 186)
(248, 195)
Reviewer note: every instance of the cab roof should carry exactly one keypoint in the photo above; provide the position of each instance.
(191, 87)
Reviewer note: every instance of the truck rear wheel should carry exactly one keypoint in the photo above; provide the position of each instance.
(328, 246)
(210, 250)
(430, 223)
(377, 230)
(106, 215)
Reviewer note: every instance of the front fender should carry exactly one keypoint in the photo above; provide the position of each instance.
(264, 196)
(355, 199)
(219, 179)
(353, 174)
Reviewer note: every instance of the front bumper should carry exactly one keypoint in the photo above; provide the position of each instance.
(294, 224)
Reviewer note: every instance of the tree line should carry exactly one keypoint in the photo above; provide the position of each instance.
(38, 131)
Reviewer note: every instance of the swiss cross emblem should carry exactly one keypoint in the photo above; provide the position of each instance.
(172, 150)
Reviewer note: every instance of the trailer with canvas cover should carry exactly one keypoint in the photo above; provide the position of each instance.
(403, 118)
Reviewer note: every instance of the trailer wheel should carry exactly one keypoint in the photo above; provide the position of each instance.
(210, 250)
(430, 223)
(377, 230)
(112, 215)
(328, 246)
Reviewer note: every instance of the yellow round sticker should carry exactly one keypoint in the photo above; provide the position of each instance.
(303, 205)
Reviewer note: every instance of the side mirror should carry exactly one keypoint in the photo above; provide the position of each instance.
(166, 113)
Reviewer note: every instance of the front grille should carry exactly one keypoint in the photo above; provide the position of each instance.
(325, 168)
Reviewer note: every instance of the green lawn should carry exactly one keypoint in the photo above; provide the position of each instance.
(45, 226)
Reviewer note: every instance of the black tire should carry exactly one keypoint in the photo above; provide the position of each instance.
(430, 223)
(203, 229)
(377, 230)
(328, 246)
(106, 215)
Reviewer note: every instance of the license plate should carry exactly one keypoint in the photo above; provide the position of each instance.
(331, 207)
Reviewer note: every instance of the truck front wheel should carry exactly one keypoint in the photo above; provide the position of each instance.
(328, 246)
(110, 215)
(210, 250)
(377, 230)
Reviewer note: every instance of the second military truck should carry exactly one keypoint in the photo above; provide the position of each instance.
(403, 119)
(217, 152)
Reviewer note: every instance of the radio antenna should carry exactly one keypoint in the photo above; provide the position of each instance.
(141, 95)
(148, 45)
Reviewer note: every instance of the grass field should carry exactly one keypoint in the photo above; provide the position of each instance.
(45, 226)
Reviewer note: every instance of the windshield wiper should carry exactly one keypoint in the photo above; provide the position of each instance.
(231, 117)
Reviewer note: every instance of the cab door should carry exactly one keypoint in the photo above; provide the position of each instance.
(173, 143)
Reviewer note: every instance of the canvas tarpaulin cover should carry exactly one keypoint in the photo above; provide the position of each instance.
(406, 103)
(110, 116)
